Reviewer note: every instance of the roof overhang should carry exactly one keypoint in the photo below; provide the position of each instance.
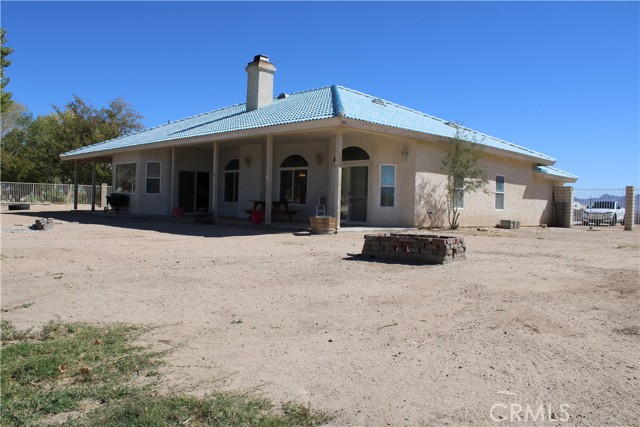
(555, 174)
(283, 129)
(308, 126)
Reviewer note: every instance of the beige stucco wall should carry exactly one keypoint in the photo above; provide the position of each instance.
(388, 151)
(528, 195)
(316, 153)
(419, 180)
(139, 201)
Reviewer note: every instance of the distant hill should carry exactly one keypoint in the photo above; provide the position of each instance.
(588, 201)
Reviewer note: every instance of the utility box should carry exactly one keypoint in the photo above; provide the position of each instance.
(509, 224)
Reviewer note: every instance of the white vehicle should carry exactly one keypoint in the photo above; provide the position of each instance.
(603, 212)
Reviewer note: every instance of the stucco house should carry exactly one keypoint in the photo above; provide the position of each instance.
(365, 159)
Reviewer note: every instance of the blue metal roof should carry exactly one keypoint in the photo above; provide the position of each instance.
(315, 104)
(549, 170)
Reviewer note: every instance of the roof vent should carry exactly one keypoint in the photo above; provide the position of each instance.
(379, 102)
(283, 95)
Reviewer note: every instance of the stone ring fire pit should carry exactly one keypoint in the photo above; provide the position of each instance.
(420, 248)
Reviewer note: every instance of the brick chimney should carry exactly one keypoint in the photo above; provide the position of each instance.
(259, 82)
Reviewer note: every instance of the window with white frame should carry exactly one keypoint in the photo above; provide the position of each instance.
(387, 185)
(458, 195)
(231, 181)
(125, 178)
(293, 179)
(499, 192)
(153, 178)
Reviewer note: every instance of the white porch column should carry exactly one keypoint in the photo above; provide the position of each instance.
(93, 184)
(338, 177)
(75, 184)
(214, 190)
(268, 197)
(173, 169)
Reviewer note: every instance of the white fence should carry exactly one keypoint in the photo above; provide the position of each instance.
(48, 193)
(601, 207)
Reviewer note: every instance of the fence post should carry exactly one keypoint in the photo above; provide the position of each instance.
(630, 208)
(564, 206)
(103, 194)
(75, 184)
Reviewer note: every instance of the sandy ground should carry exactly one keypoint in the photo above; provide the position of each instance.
(532, 318)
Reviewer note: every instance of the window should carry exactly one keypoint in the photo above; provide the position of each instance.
(153, 177)
(231, 180)
(499, 192)
(293, 179)
(458, 196)
(387, 185)
(126, 178)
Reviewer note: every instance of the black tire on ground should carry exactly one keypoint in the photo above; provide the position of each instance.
(19, 207)
(614, 220)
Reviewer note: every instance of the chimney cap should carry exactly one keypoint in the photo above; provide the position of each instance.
(260, 57)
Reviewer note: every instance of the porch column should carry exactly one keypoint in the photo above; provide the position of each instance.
(214, 190)
(173, 168)
(268, 197)
(93, 184)
(337, 168)
(75, 184)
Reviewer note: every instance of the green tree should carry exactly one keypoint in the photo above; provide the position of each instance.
(5, 97)
(465, 172)
(31, 150)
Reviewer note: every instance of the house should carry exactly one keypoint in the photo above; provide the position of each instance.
(365, 159)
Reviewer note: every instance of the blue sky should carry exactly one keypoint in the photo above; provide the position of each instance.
(559, 78)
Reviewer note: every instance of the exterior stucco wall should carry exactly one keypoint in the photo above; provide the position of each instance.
(140, 201)
(528, 196)
(316, 153)
(252, 174)
(419, 186)
(387, 151)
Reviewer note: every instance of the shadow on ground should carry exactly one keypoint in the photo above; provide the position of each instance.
(224, 227)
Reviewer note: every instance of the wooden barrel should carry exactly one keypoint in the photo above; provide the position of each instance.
(323, 224)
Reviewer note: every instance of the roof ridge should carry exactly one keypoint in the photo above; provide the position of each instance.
(396, 105)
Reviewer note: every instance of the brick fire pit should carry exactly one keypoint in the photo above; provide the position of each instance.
(420, 248)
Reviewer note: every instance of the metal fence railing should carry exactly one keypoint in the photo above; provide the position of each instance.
(48, 193)
(603, 208)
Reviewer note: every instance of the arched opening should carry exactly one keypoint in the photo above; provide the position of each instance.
(354, 153)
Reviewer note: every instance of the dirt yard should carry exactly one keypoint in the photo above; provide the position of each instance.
(533, 318)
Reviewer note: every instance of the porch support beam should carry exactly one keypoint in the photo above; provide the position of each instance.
(214, 190)
(75, 184)
(268, 197)
(93, 184)
(173, 170)
(337, 171)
